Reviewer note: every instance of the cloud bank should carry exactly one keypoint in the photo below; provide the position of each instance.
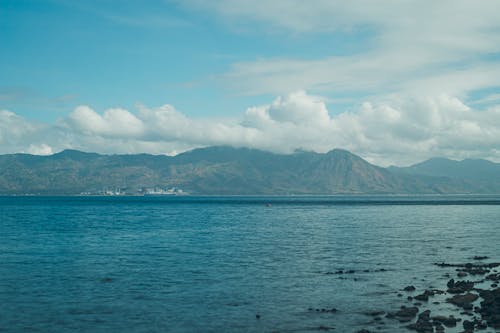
(394, 131)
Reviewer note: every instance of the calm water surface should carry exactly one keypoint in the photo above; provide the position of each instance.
(194, 264)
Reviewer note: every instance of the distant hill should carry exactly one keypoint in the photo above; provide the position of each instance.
(226, 170)
(483, 175)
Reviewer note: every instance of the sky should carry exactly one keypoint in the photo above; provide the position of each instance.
(395, 82)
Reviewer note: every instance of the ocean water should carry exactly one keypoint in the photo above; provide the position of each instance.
(211, 264)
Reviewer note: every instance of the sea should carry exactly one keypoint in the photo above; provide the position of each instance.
(232, 264)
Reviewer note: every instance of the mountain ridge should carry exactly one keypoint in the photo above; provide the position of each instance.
(228, 170)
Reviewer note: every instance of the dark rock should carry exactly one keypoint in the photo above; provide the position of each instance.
(468, 325)
(446, 321)
(463, 301)
(490, 307)
(439, 328)
(409, 288)
(374, 313)
(257, 316)
(423, 324)
(481, 326)
(493, 277)
(323, 310)
(480, 257)
(468, 307)
(425, 295)
(459, 286)
(406, 314)
(324, 328)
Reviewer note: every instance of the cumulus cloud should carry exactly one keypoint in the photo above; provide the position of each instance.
(114, 122)
(40, 149)
(395, 131)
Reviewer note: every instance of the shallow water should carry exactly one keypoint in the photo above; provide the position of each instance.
(210, 264)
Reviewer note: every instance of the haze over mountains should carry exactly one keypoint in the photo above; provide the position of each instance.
(225, 170)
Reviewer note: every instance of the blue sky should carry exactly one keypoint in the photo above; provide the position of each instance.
(109, 54)
(393, 82)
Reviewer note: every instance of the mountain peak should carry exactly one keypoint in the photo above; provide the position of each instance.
(73, 154)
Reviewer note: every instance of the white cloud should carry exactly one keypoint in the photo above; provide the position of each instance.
(400, 130)
(40, 149)
(411, 46)
(114, 122)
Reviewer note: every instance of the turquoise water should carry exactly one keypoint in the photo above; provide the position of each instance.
(194, 264)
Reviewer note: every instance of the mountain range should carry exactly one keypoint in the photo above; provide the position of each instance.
(239, 171)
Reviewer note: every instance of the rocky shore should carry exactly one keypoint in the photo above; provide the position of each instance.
(472, 289)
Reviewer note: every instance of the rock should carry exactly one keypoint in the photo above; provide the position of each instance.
(439, 328)
(459, 286)
(406, 314)
(468, 325)
(463, 301)
(481, 326)
(480, 257)
(424, 296)
(423, 324)
(446, 321)
(409, 288)
(490, 307)
(374, 313)
(323, 310)
(324, 328)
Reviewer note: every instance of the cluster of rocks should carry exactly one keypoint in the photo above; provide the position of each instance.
(463, 294)
(323, 310)
(352, 271)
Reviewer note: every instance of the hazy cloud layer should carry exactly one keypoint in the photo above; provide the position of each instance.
(398, 130)
(418, 47)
